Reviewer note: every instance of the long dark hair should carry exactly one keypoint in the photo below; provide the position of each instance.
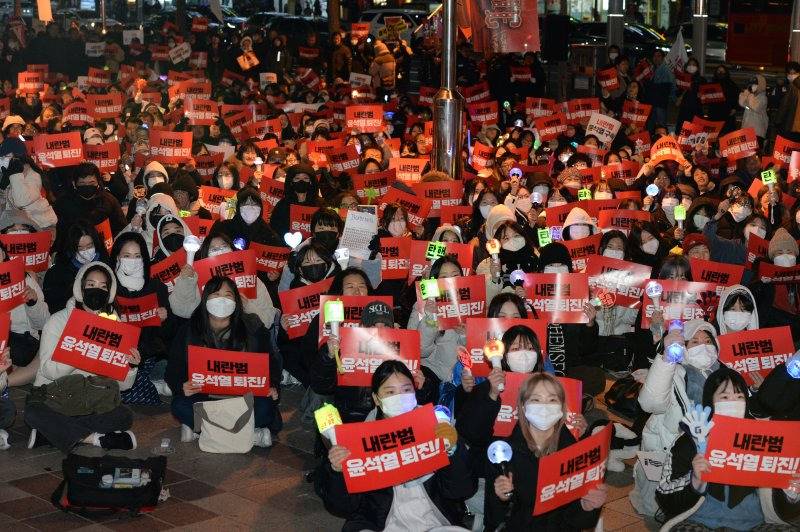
(201, 326)
(124, 238)
(506, 297)
(441, 261)
(386, 370)
(722, 376)
(526, 333)
(67, 247)
(338, 282)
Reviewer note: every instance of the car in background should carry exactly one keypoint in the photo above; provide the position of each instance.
(716, 39)
(263, 18)
(639, 40)
(377, 19)
(230, 17)
(297, 29)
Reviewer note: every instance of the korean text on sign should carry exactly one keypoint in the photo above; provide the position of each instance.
(229, 372)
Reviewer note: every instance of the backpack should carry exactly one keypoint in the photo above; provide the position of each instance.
(78, 395)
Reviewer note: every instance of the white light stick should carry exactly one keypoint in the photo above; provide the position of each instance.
(654, 291)
(191, 244)
(494, 349)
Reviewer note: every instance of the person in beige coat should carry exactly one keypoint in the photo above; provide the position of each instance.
(382, 68)
(754, 101)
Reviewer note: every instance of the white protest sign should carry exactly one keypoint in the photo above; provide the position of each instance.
(180, 53)
(95, 49)
(130, 35)
(359, 229)
(360, 80)
(604, 128)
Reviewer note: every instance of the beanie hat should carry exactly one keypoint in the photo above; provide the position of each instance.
(377, 312)
(782, 240)
(692, 241)
(554, 253)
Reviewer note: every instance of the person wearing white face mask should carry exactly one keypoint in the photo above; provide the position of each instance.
(220, 322)
(424, 503)
(788, 109)
(577, 225)
(669, 389)
(689, 100)
(616, 320)
(541, 430)
(783, 249)
(689, 502)
(516, 253)
(736, 310)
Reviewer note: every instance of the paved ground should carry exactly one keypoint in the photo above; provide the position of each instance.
(263, 490)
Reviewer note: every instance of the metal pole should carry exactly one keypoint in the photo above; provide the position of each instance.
(794, 39)
(140, 13)
(447, 103)
(616, 23)
(699, 32)
(103, 15)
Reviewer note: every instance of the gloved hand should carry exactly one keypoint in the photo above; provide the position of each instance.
(449, 435)
(699, 425)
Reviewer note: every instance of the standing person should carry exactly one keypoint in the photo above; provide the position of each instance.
(341, 59)
(661, 90)
(725, 111)
(382, 68)
(689, 101)
(788, 117)
(754, 101)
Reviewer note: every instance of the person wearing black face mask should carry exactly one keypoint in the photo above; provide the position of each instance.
(88, 201)
(171, 231)
(301, 188)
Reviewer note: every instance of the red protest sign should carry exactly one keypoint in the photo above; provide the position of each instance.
(759, 350)
(104, 106)
(5, 329)
(778, 274)
(683, 300)
(98, 77)
(391, 451)
(104, 156)
(364, 118)
(480, 331)
(201, 112)
(756, 247)
(269, 259)
(581, 109)
(555, 216)
(300, 219)
(666, 149)
(558, 297)
(409, 170)
(139, 311)
(77, 114)
(206, 165)
(199, 24)
(568, 474)
(621, 219)
(346, 160)
(538, 107)
(199, 227)
(608, 79)
(641, 143)
(482, 155)
(624, 170)
(711, 93)
(96, 345)
(33, 249)
(738, 144)
(237, 122)
(12, 284)
(229, 372)
(450, 214)
(459, 298)
(635, 113)
(378, 182)
(301, 305)
(353, 308)
(168, 269)
(416, 207)
(359, 29)
(239, 266)
(104, 232)
(617, 281)
(521, 74)
(170, 147)
(716, 272)
(59, 149)
(712, 127)
(580, 250)
(550, 127)
(395, 253)
(419, 256)
(507, 417)
(643, 71)
(30, 82)
(483, 112)
(691, 136)
(363, 349)
(271, 192)
(782, 152)
(5, 107)
(477, 93)
(751, 452)
(440, 193)
(683, 80)
(213, 197)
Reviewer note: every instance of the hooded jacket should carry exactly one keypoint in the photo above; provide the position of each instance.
(25, 193)
(279, 219)
(48, 369)
(71, 207)
(727, 293)
(162, 252)
(755, 107)
(579, 216)
(382, 68)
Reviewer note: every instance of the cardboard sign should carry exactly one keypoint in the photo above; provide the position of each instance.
(568, 474)
(417, 208)
(635, 113)
(608, 79)
(420, 256)
(391, 451)
(12, 284)
(104, 106)
(201, 112)
(353, 309)
(539, 107)
(409, 170)
(711, 93)
(363, 349)
(482, 330)
(224, 372)
(617, 282)
(683, 300)
(170, 147)
(750, 452)
(759, 351)
(738, 144)
(441, 193)
(580, 250)
(104, 156)
(239, 266)
(139, 311)
(484, 113)
(459, 298)
(716, 272)
(477, 93)
(59, 149)
(395, 253)
(94, 49)
(96, 345)
(666, 149)
(168, 269)
(301, 305)
(507, 417)
(551, 127)
(782, 152)
(270, 259)
(756, 247)
(558, 297)
(364, 118)
(32, 249)
(580, 110)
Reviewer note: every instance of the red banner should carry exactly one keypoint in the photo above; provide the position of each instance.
(201, 112)
(625, 171)
(449, 215)
(270, 259)
(459, 298)
(59, 149)
(301, 305)
(558, 297)
(551, 127)
(617, 282)
(229, 372)
(608, 79)
(96, 345)
(424, 253)
(170, 147)
(300, 219)
(707, 271)
(568, 474)
(484, 113)
(409, 170)
(759, 351)
(440, 193)
(778, 274)
(395, 253)
(12, 284)
(782, 152)
(213, 197)
(711, 93)
(391, 451)
(353, 308)
(581, 109)
(364, 118)
(635, 113)
(738, 144)
(750, 452)
(103, 156)
(139, 311)
(477, 93)
(363, 349)
(416, 207)
(33, 249)
(507, 417)
(77, 114)
(581, 250)
(666, 149)
(683, 300)
(239, 266)
(168, 269)
(538, 107)
(378, 182)
(481, 330)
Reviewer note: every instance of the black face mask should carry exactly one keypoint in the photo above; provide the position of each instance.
(95, 298)
(87, 191)
(329, 239)
(314, 272)
(302, 186)
(173, 242)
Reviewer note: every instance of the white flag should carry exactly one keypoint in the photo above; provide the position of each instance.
(677, 58)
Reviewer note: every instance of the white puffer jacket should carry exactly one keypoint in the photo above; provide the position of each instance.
(25, 192)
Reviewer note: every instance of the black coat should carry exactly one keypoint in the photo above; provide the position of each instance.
(70, 208)
(154, 341)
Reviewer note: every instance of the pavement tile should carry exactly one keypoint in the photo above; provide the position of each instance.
(26, 507)
(42, 485)
(57, 521)
(192, 489)
(182, 513)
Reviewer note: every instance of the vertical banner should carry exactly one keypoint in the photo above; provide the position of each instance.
(504, 27)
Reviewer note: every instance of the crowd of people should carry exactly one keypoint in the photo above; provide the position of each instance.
(277, 162)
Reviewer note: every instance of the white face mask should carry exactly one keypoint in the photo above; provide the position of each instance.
(86, 256)
(220, 307)
(485, 210)
(785, 260)
(226, 182)
(613, 55)
(542, 189)
(523, 205)
(556, 268)
(797, 217)
(213, 252)
(755, 230)
(691, 69)
(701, 356)
(686, 202)
(543, 415)
(398, 404)
(153, 181)
(650, 247)
(730, 408)
(614, 253)
(521, 360)
(131, 267)
(736, 320)
(515, 243)
(576, 232)
(250, 213)
(669, 203)
(740, 212)
(398, 228)
(603, 195)
(17, 232)
(700, 221)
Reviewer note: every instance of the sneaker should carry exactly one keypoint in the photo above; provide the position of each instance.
(262, 438)
(162, 388)
(188, 434)
(118, 440)
(4, 446)
(36, 440)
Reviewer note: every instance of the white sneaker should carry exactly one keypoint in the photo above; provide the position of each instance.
(188, 435)
(32, 439)
(614, 462)
(162, 388)
(262, 438)
(4, 446)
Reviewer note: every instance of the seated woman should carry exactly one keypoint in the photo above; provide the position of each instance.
(220, 322)
(93, 291)
(424, 503)
(540, 431)
(693, 505)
